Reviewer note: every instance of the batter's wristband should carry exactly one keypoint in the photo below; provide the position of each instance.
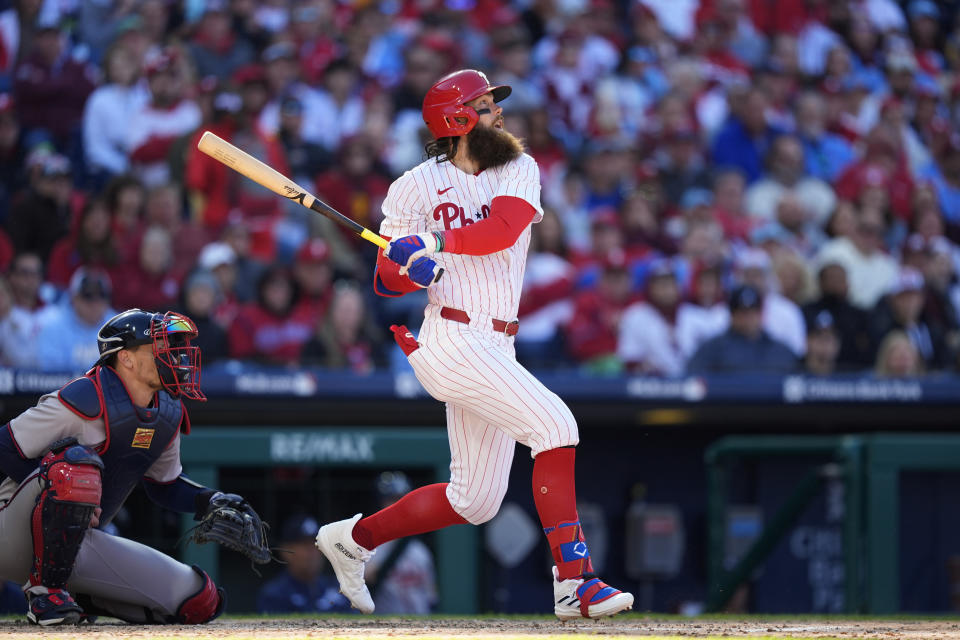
(438, 236)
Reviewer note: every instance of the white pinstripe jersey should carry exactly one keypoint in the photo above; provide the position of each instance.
(437, 196)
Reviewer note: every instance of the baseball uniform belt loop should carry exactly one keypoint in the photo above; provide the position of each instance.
(502, 326)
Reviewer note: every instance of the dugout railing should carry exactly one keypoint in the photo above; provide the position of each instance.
(869, 466)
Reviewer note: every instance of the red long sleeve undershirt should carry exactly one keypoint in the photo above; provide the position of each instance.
(509, 216)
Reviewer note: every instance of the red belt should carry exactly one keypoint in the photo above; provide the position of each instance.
(502, 326)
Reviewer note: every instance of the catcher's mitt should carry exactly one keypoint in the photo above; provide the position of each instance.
(230, 521)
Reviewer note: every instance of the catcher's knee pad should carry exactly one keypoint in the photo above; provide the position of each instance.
(204, 605)
(71, 489)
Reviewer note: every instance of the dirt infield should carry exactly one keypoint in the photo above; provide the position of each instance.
(519, 627)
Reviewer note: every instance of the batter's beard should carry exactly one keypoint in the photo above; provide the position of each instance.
(492, 147)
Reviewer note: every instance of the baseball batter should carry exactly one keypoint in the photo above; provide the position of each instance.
(69, 463)
(469, 208)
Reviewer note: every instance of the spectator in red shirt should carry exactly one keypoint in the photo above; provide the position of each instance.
(267, 331)
(51, 88)
(313, 275)
(91, 244)
(125, 197)
(592, 333)
(356, 185)
(153, 282)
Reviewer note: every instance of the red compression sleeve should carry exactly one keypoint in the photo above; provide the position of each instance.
(387, 281)
(509, 216)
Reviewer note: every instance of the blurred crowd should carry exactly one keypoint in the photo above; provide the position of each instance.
(729, 185)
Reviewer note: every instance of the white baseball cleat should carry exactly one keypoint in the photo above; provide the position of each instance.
(587, 597)
(335, 541)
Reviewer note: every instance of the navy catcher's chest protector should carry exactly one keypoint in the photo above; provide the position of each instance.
(135, 438)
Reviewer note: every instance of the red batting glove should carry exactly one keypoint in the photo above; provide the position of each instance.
(405, 339)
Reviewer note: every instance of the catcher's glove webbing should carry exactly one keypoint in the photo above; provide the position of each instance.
(230, 521)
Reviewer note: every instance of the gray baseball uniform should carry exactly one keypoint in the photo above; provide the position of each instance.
(119, 576)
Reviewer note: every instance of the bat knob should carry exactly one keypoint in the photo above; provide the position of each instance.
(436, 274)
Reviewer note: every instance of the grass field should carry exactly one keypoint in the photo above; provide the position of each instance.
(649, 627)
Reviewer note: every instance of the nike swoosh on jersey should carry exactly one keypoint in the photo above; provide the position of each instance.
(440, 192)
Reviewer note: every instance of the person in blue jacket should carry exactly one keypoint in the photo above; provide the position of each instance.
(302, 587)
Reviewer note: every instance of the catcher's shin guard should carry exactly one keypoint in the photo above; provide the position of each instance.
(71, 481)
(204, 605)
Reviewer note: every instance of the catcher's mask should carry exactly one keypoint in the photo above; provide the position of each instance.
(169, 334)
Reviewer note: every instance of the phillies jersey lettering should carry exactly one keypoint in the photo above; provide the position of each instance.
(437, 196)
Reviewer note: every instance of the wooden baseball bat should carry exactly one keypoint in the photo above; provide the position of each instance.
(243, 163)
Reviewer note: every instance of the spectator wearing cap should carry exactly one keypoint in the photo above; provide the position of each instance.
(200, 300)
(870, 270)
(302, 586)
(745, 347)
(216, 49)
(825, 154)
(785, 173)
(67, 339)
(345, 338)
(823, 345)
(851, 323)
(782, 318)
(593, 330)
(267, 331)
(90, 244)
(220, 260)
(313, 274)
(902, 310)
(51, 88)
(402, 575)
(546, 299)
(745, 138)
(153, 281)
(647, 341)
(115, 101)
(40, 214)
(154, 127)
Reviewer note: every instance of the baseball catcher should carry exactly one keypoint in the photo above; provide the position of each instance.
(68, 464)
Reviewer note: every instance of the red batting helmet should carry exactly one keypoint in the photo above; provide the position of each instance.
(443, 105)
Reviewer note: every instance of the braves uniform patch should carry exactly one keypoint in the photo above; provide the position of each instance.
(142, 438)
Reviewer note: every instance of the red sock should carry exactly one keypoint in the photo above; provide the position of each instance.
(554, 486)
(422, 510)
(555, 494)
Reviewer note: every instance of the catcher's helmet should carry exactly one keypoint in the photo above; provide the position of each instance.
(178, 363)
(443, 106)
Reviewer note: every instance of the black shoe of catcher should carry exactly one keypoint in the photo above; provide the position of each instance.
(47, 607)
